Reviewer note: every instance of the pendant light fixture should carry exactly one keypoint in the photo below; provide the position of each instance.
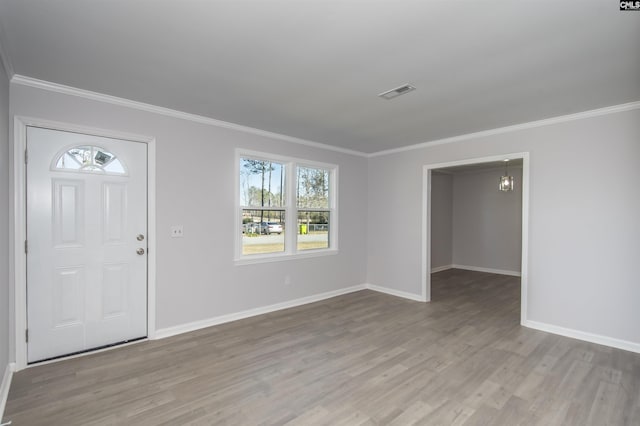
(506, 181)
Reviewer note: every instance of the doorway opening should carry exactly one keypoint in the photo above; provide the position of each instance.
(491, 226)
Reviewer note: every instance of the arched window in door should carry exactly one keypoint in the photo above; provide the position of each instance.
(89, 159)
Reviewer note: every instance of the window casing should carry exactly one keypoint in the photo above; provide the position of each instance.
(286, 208)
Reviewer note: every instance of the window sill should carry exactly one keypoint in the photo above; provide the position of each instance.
(250, 260)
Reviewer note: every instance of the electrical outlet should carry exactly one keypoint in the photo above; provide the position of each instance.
(177, 231)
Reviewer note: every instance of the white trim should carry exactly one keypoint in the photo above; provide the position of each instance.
(19, 267)
(209, 322)
(4, 387)
(524, 256)
(152, 238)
(197, 325)
(19, 221)
(514, 128)
(396, 293)
(479, 170)
(290, 209)
(479, 160)
(425, 276)
(441, 268)
(87, 94)
(489, 270)
(281, 257)
(584, 336)
(426, 223)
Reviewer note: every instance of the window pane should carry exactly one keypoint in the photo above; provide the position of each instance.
(90, 159)
(313, 230)
(114, 166)
(82, 154)
(261, 183)
(313, 188)
(67, 161)
(101, 157)
(262, 231)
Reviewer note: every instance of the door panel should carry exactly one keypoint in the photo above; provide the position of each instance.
(114, 290)
(68, 289)
(68, 213)
(114, 212)
(86, 204)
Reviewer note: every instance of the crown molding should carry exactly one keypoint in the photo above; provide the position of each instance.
(87, 94)
(514, 128)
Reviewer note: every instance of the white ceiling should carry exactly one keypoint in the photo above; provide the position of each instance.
(312, 68)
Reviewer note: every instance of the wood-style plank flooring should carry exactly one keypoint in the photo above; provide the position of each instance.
(361, 358)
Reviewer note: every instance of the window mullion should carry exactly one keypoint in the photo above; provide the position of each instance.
(314, 209)
(291, 215)
(294, 240)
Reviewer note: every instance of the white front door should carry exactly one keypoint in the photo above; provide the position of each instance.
(86, 242)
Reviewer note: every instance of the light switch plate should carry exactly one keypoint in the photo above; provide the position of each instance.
(177, 231)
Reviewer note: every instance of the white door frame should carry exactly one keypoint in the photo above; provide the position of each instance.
(426, 222)
(20, 222)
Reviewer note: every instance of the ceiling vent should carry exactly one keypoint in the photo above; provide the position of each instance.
(394, 93)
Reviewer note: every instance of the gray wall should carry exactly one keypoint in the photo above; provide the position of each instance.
(441, 219)
(583, 219)
(196, 276)
(582, 236)
(4, 221)
(487, 223)
(472, 223)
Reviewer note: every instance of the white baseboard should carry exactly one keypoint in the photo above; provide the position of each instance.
(581, 335)
(4, 387)
(209, 322)
(197, 325)
(397, 293)
(490, 270)
(441, 268)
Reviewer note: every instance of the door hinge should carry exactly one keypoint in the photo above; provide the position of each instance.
(26, 156)
(26, 247)
(26, 335)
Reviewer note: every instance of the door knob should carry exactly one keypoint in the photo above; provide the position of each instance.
(140, 237)
(140, 251)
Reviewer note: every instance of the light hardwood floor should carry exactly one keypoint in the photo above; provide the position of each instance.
(362, 358)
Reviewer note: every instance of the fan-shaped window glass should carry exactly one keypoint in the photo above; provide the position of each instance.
(90, 159)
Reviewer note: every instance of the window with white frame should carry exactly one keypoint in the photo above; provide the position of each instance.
(313, 205)
(286, 206)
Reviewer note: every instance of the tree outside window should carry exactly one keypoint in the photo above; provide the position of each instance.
(272, 207)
